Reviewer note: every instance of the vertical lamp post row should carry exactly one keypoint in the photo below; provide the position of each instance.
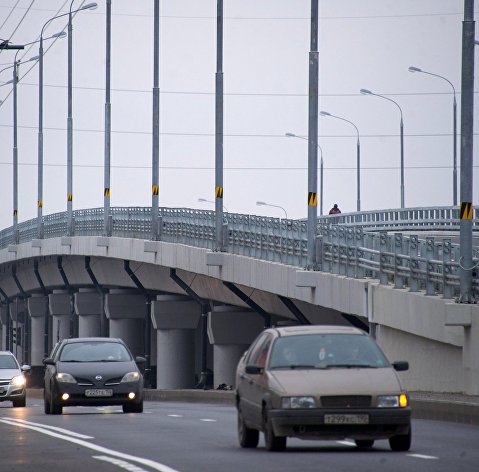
(89, 6)
(358, 157)
(454, 125)
(313, 137)
(401, 133)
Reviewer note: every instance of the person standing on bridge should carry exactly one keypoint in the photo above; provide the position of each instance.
(335, 210)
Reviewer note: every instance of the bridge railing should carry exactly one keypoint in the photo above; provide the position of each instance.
(393, 246)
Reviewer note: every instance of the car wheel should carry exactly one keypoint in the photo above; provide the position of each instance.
(46, 404)
(133, 407)
(401, 442)
(247, 437)
(20, 402)
(55, 407)
(364, 443)
(271, 441)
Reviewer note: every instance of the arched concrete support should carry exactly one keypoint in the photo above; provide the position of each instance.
(88, 308)
(231, 330)
(175, 318)
(60, 311)
(126, 311)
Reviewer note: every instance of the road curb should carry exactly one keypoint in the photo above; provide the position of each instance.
(439, 410)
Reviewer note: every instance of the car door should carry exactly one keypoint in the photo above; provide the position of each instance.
(255, 384)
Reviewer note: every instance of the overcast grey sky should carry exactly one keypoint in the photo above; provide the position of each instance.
(363, 44)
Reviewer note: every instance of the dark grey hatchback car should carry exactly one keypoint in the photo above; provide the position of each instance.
(92, 372)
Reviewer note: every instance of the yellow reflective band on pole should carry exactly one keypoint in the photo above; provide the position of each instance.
(69, 197)
(219, 192)
(106, 193)
(155, 189)
(466, 211)
(312, 199)
(15, 212)
(40, 204)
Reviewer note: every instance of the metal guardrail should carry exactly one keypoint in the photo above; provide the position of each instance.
(383, 245)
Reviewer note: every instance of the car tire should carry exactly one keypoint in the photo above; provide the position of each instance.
(133, 407)
(20, 402)
(55, 407)
(46, 405)
(247, 437)
(401, 442)
(364, 443)
(271, 441)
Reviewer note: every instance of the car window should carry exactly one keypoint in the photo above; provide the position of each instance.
(260, 352)
(326, 350)
(94, 351)
(8, 362)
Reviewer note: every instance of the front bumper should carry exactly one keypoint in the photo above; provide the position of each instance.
(77, 395)
(383, 423)
(11, 392)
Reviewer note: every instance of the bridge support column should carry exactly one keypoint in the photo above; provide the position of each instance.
(231, 330)
(17, 315)
(60, 311)
(88, 308)
(126, 310)
(38, 310)
(175, 318)
(4, 327)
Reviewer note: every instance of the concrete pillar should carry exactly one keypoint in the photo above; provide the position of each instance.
(17, 315)
(37, 309)
(471, 354)
(60, 311)
(126, 310)
(88, 308)
(4, 327)
(231, 330)
(175, 318)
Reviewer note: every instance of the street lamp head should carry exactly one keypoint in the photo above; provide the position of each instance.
(89, 6)
(366, 92)
(414, 69)
(202, 200)
(33, 58)
(61, 34)
(290, 135)
(261, 203)
(324, 113)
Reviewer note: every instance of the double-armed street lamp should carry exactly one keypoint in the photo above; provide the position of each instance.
(401, 130)
(321, 170)
(454, 140)
(358, 156)
(89, 6)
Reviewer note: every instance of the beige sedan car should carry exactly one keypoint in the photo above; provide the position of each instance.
(320, 382)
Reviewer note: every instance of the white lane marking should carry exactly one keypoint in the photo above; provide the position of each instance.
(123, 464)
(176, 416)
(149, 463)
(346, 443)
(207, 420)
(54, 428)
(422, 456)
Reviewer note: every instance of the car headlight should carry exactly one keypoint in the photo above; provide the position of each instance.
(18, 381)
(65, 378)
(298, 402)
(131, 377)
(393, 401)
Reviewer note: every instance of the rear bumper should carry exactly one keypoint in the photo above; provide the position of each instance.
(382, 423)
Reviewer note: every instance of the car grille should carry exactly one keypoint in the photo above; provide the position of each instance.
(349, 401)
(5, 382)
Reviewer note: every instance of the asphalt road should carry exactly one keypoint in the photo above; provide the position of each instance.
(192, 437)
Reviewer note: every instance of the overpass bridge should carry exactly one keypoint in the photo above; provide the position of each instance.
(192, 311)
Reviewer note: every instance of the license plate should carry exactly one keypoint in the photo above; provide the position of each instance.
(98, 392)
(346, 419)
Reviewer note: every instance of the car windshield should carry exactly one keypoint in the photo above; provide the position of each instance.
(8, 362)
(326, 351)
(94, 351)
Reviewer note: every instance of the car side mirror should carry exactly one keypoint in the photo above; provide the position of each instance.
(253, 369)
(140, 360)
(48, 361)
(26, 368)
(401, 365)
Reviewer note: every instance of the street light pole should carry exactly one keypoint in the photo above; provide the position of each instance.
(454, 124)
(401, 130)
(358, 156)
(274, 206)
(292, 135)
(107, 166)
